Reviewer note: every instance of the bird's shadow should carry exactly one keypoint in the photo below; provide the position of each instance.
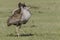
(11, 35)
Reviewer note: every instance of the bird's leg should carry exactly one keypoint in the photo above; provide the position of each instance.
(17, 31)
(21, 29)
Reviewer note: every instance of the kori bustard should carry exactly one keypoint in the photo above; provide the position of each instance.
(19, 16)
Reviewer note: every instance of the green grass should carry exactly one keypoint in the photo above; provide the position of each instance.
(44, 23)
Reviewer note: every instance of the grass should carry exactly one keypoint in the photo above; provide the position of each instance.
(44, 23)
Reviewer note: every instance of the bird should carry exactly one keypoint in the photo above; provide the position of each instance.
(19, 16)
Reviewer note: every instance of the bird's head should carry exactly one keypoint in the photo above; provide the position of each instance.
(21, 5)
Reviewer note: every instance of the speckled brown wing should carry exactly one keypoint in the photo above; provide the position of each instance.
(15, 18)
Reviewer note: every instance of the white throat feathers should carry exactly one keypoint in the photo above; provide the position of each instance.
(25, 13)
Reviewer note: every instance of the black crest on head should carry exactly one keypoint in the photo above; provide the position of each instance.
(21, 4)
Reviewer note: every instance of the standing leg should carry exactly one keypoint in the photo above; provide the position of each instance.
(17, 31)
(21, 29)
